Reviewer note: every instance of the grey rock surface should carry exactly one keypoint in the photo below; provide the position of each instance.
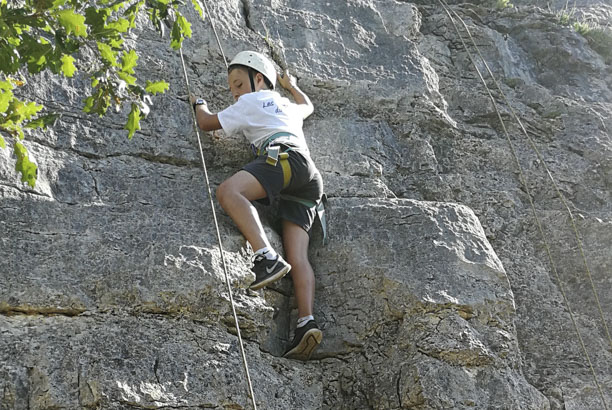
(435, 290)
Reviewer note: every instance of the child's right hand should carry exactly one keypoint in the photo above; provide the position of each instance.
(287, 80)
(290, 83)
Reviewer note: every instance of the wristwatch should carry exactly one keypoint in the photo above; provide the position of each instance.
(199, 101)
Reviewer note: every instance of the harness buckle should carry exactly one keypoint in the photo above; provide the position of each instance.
(273, 154)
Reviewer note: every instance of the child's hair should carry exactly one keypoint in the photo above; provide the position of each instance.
(252, 71)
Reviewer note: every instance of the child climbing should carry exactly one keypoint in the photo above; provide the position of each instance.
(282, 170)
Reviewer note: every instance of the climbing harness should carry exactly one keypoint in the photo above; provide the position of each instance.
(275, 155)
(212, 206)
(527, 190)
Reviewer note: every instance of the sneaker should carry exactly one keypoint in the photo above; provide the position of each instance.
(268, 270)
(306, 340)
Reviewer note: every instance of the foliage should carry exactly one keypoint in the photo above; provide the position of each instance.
(565, 17)
(582, 27)
(502, 4)
(600, 40)
(39, 35)
(599, 37)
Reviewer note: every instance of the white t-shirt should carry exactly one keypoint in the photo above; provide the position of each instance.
(261, 114)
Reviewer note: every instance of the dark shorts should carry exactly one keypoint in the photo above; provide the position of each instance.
(306, 183)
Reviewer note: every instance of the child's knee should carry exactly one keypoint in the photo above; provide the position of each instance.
(223, 193)
(299, 261)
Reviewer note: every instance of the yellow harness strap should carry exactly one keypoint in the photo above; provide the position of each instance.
(274, 156)
(284, 160)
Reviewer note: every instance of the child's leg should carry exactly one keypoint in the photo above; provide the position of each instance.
(307, 333)
(235, 195)
(295, 240)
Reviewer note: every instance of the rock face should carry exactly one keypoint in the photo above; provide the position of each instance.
(435, 290)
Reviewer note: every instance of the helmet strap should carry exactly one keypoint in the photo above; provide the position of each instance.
(251, 79)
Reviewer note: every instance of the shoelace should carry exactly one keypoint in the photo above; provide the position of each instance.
(258, 258)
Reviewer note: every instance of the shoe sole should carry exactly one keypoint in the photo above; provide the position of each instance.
(272, 278)
(310, 341)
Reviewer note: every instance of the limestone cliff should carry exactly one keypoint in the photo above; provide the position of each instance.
(435, 290)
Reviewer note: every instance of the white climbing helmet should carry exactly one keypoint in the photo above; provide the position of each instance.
(258, 62)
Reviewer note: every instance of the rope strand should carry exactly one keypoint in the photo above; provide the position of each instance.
(212, 24)
(212, 206)
(524, 183)
(552, 180)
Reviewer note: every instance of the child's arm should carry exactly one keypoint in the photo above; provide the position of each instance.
(290, 83)
(206, 120)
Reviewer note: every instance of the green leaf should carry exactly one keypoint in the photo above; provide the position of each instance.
(31, 109)
(128, 62)
(185, 25)
(156, 87)
(5, 99)
(72, 22)
(95, 18)
(2, 143)
(65, 45)
(196, 5)
(175, 35)
(180, 30)
(43, 121)
(89, 103)
(107, 54)
(121, 25)
(115, 42)
(68, 67)
(27, 168)
(20, 111)
(20, 134)
(133, 123)
(118, 4)
(6, 85)
(130, 80)
(98, 102)
(36, 50)
(20, 150)
(132, 12)
(9, 59)
(41, 5)
(15, 41)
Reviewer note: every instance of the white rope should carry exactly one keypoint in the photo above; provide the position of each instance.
(525, 185)
(212, 24)
(212, 207)
(553, 182)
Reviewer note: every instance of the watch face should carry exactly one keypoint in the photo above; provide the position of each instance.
(200, 101)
